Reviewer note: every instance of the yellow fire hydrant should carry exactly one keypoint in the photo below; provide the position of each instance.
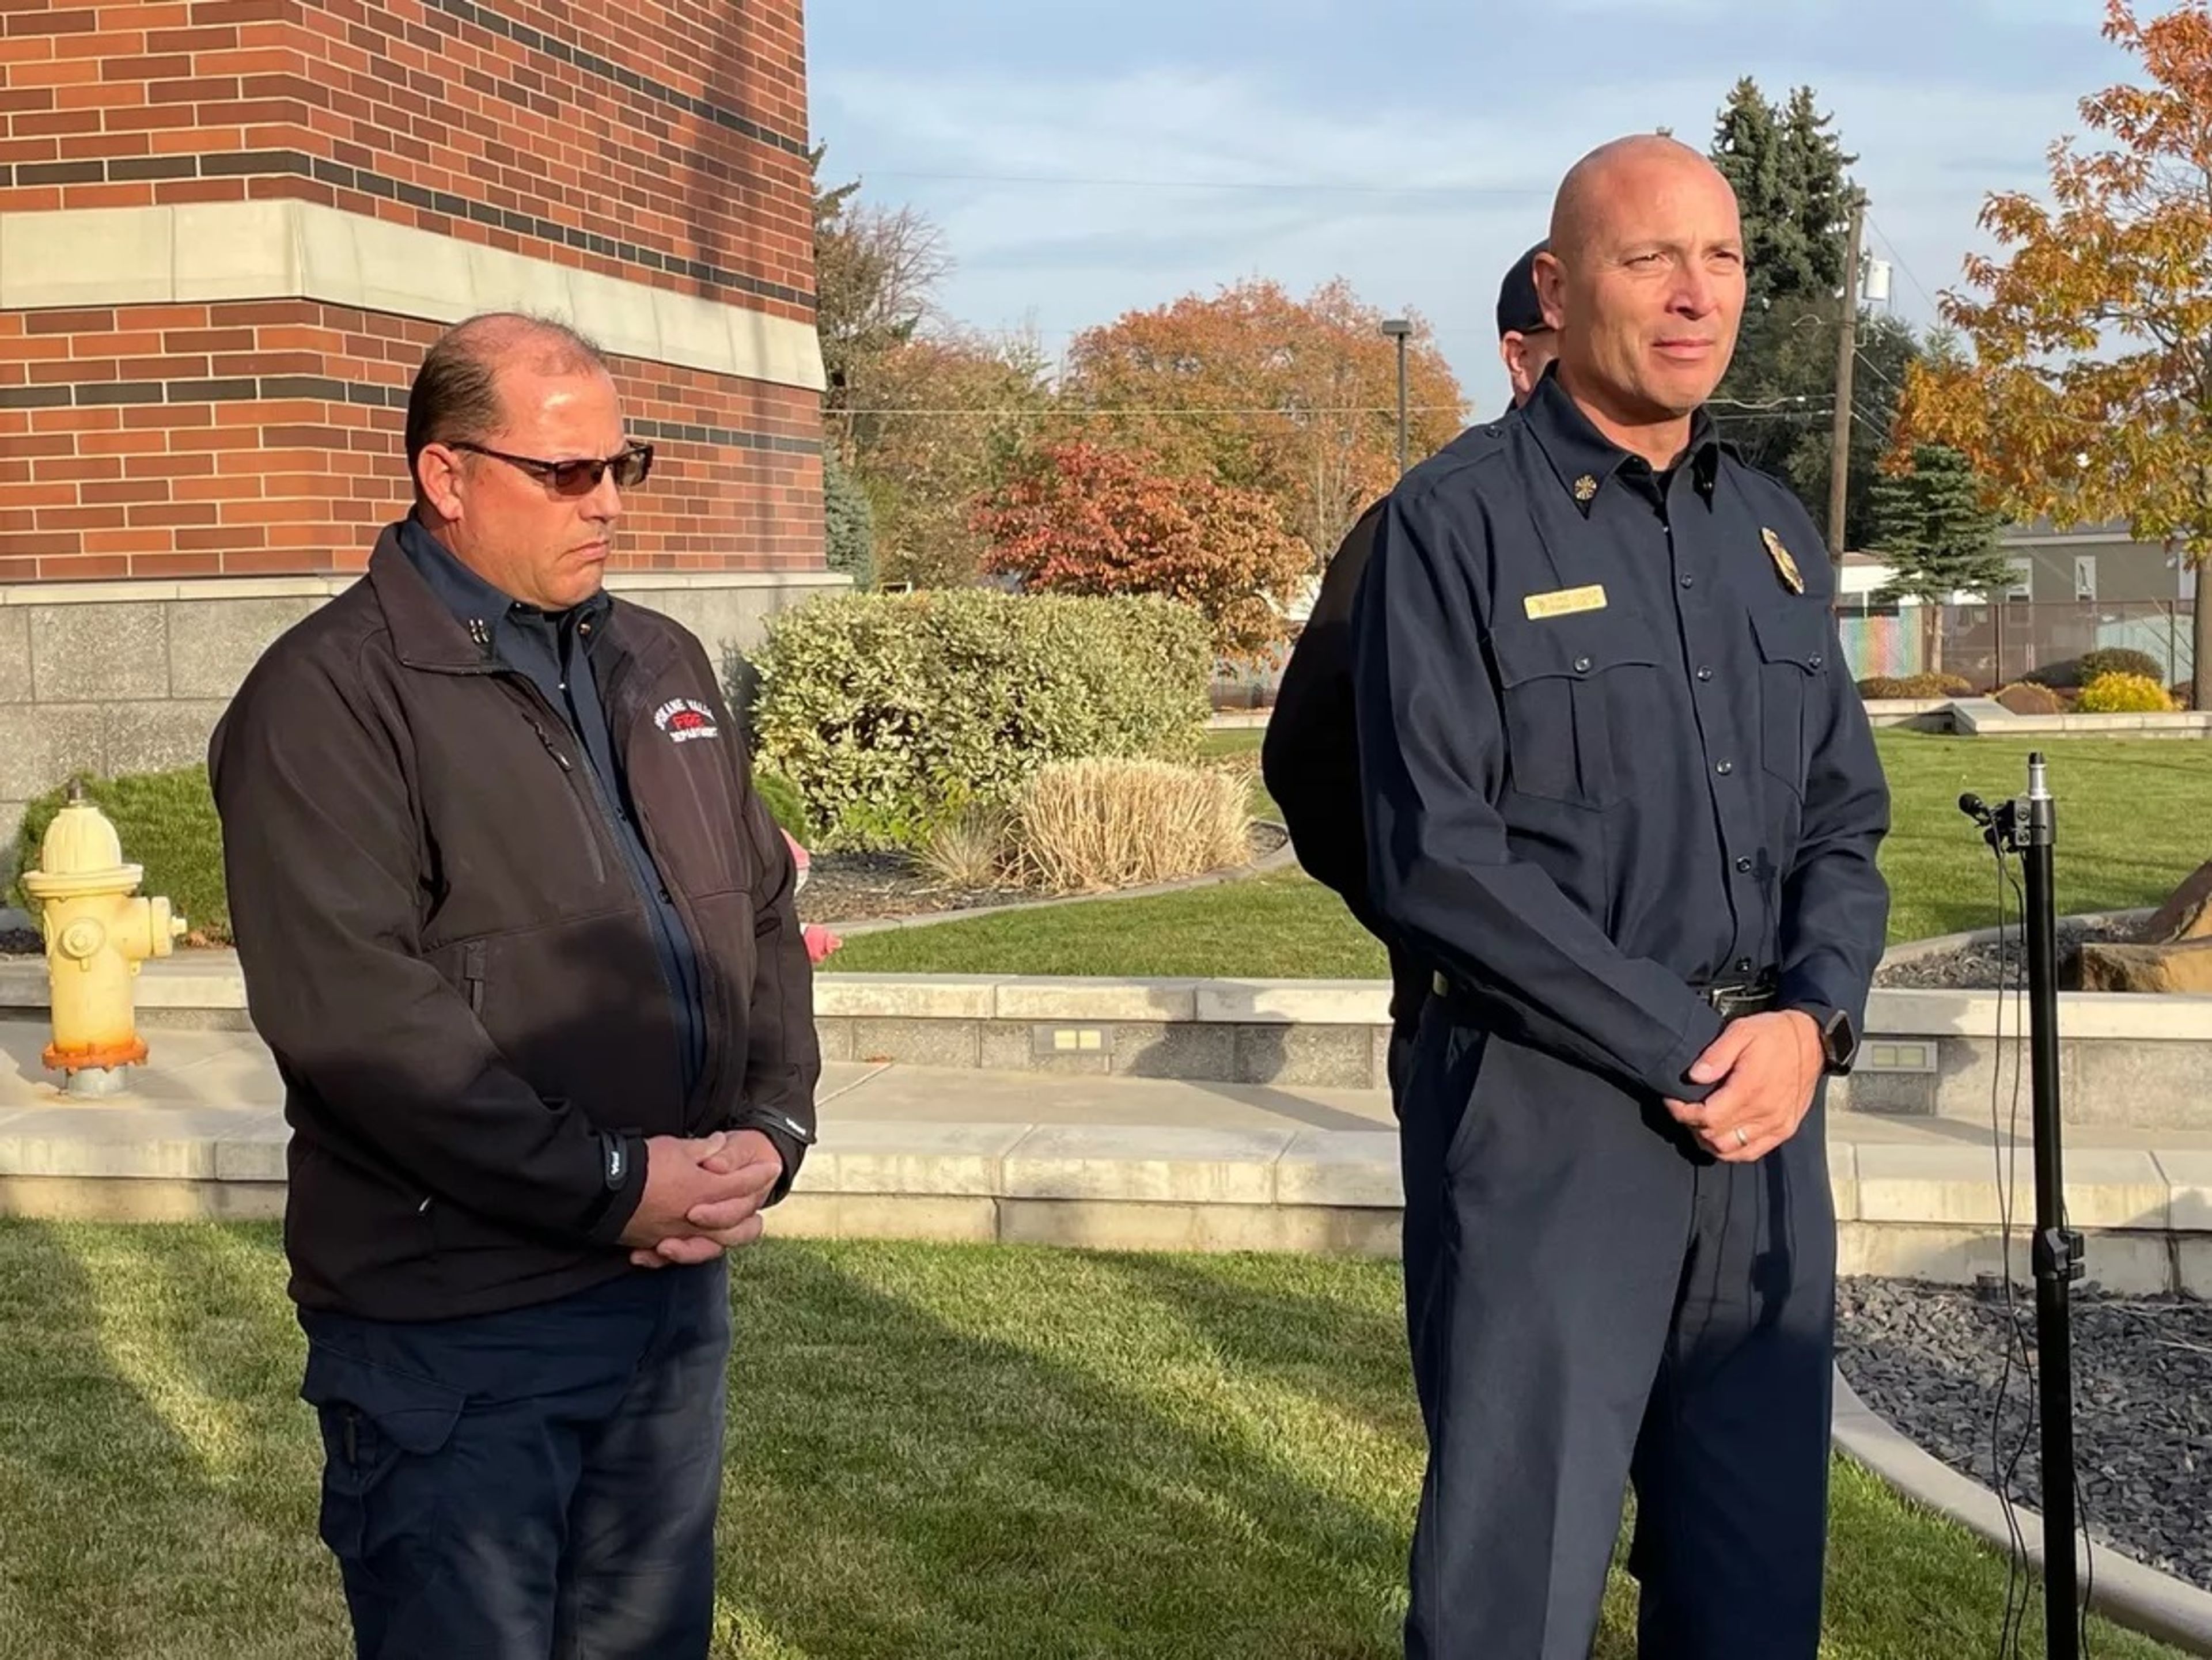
(97, 934)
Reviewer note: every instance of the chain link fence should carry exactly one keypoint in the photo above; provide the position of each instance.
(1994, 645)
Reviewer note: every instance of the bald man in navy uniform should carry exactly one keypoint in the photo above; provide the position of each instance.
(1621, 791)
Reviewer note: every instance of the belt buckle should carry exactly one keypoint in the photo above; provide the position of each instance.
(1734, 994)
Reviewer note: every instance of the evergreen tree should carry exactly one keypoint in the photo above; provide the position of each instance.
(1930, 526)
(1790, 174)
(849, 521)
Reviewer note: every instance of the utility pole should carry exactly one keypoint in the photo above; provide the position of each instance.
(1397, 328)
(1839, 440)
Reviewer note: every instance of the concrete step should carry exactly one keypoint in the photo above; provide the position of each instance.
(2126, 1060)
(913, 1152)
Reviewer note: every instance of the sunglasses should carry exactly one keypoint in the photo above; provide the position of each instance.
(577, 478)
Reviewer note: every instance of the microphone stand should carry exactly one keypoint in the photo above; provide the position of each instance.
(2029, 827)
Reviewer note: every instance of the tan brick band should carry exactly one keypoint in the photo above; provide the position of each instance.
(434, 206)
(76, 259)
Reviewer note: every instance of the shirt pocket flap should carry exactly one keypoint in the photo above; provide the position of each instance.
(418, 1414)
(1795, 634)
(1578, 644)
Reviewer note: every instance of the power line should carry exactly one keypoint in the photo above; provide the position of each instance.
(1888, 243)
(1299, 186)
(1058, 410)
(1868, 364)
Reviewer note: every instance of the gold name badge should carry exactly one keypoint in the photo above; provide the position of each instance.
(1562, 601)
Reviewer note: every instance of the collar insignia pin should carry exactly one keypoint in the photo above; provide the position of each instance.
(1585, 488)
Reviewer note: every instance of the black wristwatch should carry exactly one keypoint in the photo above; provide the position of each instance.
(1839, 1040)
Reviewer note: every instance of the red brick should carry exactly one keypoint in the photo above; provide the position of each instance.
(34, 544)
(87, 568)
(119, 545)
(123, 490)
(170, 566)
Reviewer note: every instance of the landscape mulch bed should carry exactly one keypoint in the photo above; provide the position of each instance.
(841, 887)
(844, 887)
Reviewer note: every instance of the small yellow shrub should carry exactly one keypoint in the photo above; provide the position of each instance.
(2124, 693)
(1105, 822)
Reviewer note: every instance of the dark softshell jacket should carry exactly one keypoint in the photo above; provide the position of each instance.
(454, 968)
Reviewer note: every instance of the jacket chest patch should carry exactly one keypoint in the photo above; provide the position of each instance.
(683, 719)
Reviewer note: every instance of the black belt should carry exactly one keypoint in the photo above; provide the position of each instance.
(1756, 995)
(1729, 998)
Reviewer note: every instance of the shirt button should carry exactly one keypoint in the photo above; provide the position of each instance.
(1581, 665)
(1689, 581)
(1704, 674)
(1743, 966)
(1816, 660)
(1743, 865)
(1725, 767)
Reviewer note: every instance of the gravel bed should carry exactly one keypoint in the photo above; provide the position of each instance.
(1929, 1358)
(1987, 967)
(21, 942)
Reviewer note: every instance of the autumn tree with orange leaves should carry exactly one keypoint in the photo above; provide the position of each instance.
(1087, 519)
(2086, 394)
(1294, 400)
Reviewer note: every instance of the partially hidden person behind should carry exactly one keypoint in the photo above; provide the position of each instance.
(521, 937)
(1310, 758)
(1621, 792)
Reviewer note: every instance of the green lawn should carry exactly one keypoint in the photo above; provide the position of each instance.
(970, 1452)
(2133, 821)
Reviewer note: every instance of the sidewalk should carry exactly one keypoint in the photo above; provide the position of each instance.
(961, 1153)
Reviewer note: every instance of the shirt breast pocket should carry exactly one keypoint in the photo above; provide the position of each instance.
(1570, 687)
(1793, 647)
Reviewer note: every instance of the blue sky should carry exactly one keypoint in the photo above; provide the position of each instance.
(1089, 157)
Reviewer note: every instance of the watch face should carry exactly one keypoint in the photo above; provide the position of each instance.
(1839, 1039)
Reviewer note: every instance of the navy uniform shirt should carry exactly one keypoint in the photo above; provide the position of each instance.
(1610, 753)
(553, 651)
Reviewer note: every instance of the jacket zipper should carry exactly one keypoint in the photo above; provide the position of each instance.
(568, 769)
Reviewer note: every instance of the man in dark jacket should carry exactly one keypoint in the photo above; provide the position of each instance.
(1310, 758)
(519, 934)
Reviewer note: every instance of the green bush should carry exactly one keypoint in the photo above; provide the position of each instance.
(166, 822)
(891, 712)
(784, 803)
(2120, 660)
(2072, 673)
(2124, 693)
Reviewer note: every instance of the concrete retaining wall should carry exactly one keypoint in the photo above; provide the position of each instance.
(2129, 1062)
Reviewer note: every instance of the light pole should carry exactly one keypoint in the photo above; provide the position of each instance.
(1397, 328)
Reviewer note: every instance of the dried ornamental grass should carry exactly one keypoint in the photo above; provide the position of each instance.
(1104, 822)
(968, 850)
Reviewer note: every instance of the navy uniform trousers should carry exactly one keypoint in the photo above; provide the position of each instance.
(1592, 1300)
(536, 1484)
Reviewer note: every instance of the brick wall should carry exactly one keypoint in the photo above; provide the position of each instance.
(651, 140)
(265, 437)
(660, 143)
